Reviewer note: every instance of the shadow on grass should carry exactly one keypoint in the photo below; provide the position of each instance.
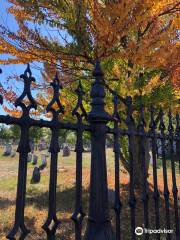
(125, 213)
(65, 208)
(6, 202)
(65, 199)
(66, 202)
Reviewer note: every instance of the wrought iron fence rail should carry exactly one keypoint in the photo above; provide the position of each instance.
(9, 120)
(147, 134)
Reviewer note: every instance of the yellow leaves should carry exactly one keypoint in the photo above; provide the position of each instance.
(176, 78)
(19, 13)
(107, 23)
(152, 39)
(43, 101)
(12, 112)
(154, 82)
(116, 71)
(114, 20)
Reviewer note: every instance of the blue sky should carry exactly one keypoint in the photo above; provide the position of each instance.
(8, 20)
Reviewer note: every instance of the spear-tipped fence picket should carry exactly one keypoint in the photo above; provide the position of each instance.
(99, 226)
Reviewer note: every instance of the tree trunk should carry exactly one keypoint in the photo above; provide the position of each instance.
(137, 159)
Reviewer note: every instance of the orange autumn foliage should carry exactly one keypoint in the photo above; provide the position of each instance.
(141, 34)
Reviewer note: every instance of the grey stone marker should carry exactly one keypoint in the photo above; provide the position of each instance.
(36, 176)
(8, 150)
(29, 157)
(35, 159)
(44, 161)
(66, 151)
(13, 154)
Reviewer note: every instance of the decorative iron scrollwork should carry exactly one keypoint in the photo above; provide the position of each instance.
(152, 127)
(28, 79)
(23, 149)
(56, 98)
(80, 113)
(79, 106)
(142, 158)
(52, 222)
(132, 198)
(117, 201)
(162, 128)
(173, 169)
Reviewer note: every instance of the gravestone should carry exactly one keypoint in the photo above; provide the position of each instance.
(151, 157)
(7, 150)
(66, 151)
(87, 148)
(13, 154)
(40, 147)
(36, 176)
(44, 161)
(35, 159)
(29, 157)
(43, 144)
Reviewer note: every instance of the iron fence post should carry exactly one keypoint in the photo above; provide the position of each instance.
(99, 224)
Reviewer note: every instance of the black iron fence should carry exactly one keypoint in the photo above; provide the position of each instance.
(99, 226)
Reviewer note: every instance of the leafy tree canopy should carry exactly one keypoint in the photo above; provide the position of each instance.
(136, 41)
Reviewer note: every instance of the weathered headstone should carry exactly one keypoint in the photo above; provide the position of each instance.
(7, 150)
(88, 148)
(29, 157)
(13, 154)
(35, 159)
(36, 176)
(151, 157)
(44, 162)
(66, 151)
(43, 144)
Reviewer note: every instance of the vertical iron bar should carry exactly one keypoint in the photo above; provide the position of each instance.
(155, 180)
(117, 203)
(54, 150)
(142, 140)
(132, 199)
(166, 190)
(99, 224)
(174, 188)
(79, 215)
(23, 150)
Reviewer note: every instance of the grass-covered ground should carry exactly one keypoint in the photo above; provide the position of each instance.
(37, 196)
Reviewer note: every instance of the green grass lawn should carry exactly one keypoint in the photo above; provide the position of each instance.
(37, 196)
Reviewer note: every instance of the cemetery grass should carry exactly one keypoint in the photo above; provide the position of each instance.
(37, 196)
